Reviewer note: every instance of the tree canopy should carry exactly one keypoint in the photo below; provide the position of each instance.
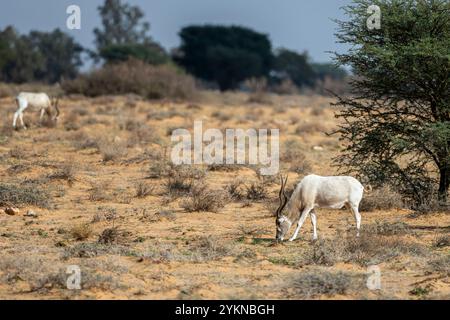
(124, 35)
(224, 55)
(295, 66)
(38, 56)
(397, 124)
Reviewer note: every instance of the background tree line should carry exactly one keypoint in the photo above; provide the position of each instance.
(222, 56)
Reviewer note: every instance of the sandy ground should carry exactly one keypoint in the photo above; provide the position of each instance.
(161, 251)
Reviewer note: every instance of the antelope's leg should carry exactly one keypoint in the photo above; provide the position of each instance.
(42, 115)
(314, 224)
(16, 115)
(357, 215)
(21, 120)
(302, 219)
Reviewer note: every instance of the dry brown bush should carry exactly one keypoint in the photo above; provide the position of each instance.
(256, 190)
(381, 199)
(440, 264)
(143, 189)
(99, 191)
(311, 284)
(112, 150)
(18, 153)
(24, 193)
(368, 249)
(442, 241)
(385, 228)
(209, 248)
(181, 179)
(236, 189)
(134, 76)
(114, 236)
(203, 198)
(259, 91)
(81, 232)
(67, 171)
(82, 141)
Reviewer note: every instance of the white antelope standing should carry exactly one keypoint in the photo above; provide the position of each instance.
(316, 192)
(35, 101)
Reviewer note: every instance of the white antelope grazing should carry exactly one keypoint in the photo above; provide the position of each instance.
(316, 192)
(36, 101)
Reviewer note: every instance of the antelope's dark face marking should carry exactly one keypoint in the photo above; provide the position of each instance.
(283, 225)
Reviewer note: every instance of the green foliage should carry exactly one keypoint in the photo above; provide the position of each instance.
(292, 65)
(39, 56)
(149, 53)
(125, 36)
(324, 70)
(397, 123)
(61, 55)
(121, 25)
(225, 55)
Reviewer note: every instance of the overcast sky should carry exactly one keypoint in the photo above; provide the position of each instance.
(294, 24)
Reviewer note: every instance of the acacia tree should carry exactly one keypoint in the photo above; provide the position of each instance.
(396, 125)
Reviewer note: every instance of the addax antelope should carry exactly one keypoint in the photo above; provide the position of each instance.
(36, 101)
(316, 192)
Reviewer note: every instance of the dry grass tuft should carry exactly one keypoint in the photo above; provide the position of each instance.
(99, 191)
(312, 284)
(81, 232)
(144, 189)
(442, 241)
(113, 236)
(67, 172)
(181, 179)
(368, 249)
(112, 151)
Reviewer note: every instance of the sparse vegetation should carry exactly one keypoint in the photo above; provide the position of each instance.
(24, 194)
(311, 284)
(144, 192)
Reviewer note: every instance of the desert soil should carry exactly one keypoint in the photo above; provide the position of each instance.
(90, 166)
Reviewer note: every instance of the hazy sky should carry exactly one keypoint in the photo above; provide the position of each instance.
(294, 24)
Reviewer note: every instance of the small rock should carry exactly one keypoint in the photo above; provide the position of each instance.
(12, 211)
(31, 213)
